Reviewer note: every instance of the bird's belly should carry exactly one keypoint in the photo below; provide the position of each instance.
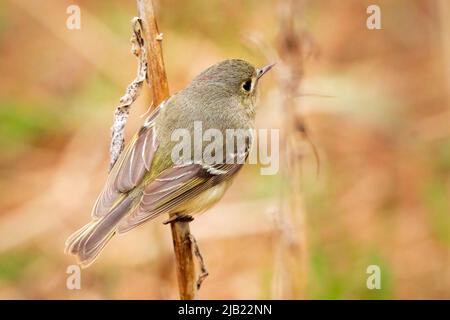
(205, 200)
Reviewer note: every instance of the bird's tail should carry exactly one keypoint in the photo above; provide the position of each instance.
(88, 242)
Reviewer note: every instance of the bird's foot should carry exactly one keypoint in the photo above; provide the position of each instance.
(179, 218)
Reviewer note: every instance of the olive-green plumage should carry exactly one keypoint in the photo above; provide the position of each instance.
(145, 182)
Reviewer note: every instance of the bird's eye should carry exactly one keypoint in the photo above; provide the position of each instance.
(247, 85)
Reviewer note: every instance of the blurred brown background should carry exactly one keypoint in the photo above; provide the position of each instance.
(376, 103)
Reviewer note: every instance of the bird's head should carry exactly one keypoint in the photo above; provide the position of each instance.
(232, 77)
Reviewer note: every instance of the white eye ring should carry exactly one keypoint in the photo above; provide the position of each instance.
(247, 85)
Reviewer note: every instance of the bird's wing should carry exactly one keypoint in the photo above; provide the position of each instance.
(179, 184)
(130, 168)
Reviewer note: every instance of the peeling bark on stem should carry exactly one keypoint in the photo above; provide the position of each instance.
(131, 94)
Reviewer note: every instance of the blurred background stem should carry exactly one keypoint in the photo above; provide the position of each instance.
(290, 252)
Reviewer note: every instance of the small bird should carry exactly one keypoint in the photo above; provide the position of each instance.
(145, 182)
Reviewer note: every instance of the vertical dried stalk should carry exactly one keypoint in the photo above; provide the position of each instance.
(184, 260)
(131, 94)
(185, 263)
(153, 38)
(291, 247)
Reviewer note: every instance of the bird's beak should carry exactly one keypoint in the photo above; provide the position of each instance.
(261, 71)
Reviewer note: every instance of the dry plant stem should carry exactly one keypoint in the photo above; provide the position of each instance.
(153, 39)
(184, 259)
(182, 245)
(203, 271)
(181, 235)
(133, 90)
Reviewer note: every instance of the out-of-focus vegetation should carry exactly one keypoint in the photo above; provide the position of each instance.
(376, 103)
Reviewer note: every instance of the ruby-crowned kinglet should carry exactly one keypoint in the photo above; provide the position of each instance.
(145, 182)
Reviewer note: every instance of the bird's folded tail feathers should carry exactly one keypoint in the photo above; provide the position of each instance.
(88, 242)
